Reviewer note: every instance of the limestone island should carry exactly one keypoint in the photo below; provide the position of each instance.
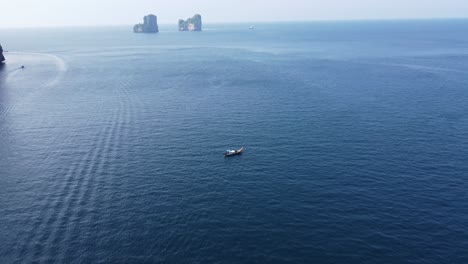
(192, 24)
(2, 58)
(150, 25)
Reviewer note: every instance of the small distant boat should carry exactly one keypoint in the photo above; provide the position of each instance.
(233, 152)
(251, 27)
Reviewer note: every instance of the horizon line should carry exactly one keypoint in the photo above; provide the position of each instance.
(248, 22)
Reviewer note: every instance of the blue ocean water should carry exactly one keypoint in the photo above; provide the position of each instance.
(355, 135)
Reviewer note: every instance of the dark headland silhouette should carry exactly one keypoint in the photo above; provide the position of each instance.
(2, 58)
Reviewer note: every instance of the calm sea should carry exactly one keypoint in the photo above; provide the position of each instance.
(355, 135)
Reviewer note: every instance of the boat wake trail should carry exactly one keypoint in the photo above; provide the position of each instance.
(75, 202)
(42, 72)
(60, 64)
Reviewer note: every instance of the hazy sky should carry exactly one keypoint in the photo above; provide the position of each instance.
(30, 13)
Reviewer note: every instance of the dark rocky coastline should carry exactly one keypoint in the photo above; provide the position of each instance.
(150, 25)
(2, 58)
(192, 24)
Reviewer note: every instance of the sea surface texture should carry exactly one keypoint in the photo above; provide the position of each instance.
(355, 136)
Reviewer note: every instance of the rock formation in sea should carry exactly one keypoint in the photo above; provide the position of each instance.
(2, 58)
(150, 25)
(192, 24)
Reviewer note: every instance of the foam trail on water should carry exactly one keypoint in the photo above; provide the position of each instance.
(62, 66)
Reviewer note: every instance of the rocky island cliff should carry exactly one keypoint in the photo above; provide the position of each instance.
(2, 58)
(192, 24)
(150, 25)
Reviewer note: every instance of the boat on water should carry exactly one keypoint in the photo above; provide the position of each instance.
(233, 152)
(251, 27)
